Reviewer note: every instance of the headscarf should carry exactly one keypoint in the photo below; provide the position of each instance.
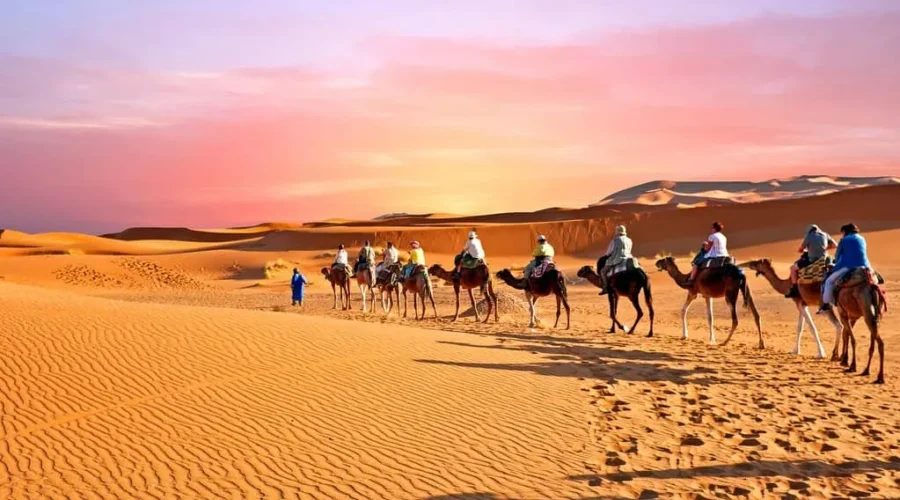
(415, 244)
(621, 231)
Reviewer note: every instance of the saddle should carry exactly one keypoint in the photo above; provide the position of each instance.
(388, 275)
(859, 276)
(343, 268)
(469, 262)
(628, 265)
(542, 268)
(815, 272)
(718, 262)
(411, 270)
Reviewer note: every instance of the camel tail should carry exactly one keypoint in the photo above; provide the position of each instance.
(880, 301)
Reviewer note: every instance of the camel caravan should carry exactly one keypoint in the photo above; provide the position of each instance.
(845, 289)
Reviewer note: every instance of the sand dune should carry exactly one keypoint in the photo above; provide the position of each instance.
(578, 231)
(719, 192)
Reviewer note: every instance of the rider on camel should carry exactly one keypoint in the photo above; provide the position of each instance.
(816, 244)
(618, 252)
(342, 259)
(366, 255)
(542, 253)
(473, 251)
(716, 245)
(850, 254)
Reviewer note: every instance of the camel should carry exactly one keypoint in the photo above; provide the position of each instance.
(365, 279)
(810, 295)
(627, 284)
(338, 279)
(712, 283)
(419, 285)
(384, 284)
(551, 282)
(469, 279)
(861, 297)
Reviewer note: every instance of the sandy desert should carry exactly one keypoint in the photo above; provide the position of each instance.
(169, 363)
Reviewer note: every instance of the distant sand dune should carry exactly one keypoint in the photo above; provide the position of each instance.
(690, 193)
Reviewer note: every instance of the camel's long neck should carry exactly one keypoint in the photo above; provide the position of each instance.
(509, 279)
(780, 285)
(676, 274)
(594, 278)
(442, 273)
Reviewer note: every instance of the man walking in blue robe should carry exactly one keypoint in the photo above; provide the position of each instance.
(298, 283)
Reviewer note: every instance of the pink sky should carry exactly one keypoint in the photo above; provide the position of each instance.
(400, 119)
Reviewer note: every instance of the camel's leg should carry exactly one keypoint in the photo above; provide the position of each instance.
(710, 321)
(612, 312)
(405, 304)
(558, 309)
(820, 349)
(565, 302)
(839, 330)
(636, 302)
(872, 324)
(416, 305)
(614, 298)
(756, 320)
(531, 307)
(880, 378)
(334, 294)
(684, 311)
(649, 300)
(430, 295)
(474, 306)
(847, 332)
(456, 314)
(494, 300)
(801, 322)
(363, 291)
(849, 347)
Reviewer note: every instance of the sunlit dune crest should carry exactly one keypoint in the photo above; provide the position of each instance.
(692, 192)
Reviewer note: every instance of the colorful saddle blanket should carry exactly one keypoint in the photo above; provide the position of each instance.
(628, 265)
(815, 272)
(542, 268)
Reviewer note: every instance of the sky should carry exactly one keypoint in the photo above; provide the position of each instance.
(207, 113)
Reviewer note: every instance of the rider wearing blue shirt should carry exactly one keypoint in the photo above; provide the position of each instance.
(850, 255)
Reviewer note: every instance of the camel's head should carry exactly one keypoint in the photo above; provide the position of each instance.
(433, 270)
(504, 272)
(585, 271)
(665, 263)
(326, 272)
(760, 266)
